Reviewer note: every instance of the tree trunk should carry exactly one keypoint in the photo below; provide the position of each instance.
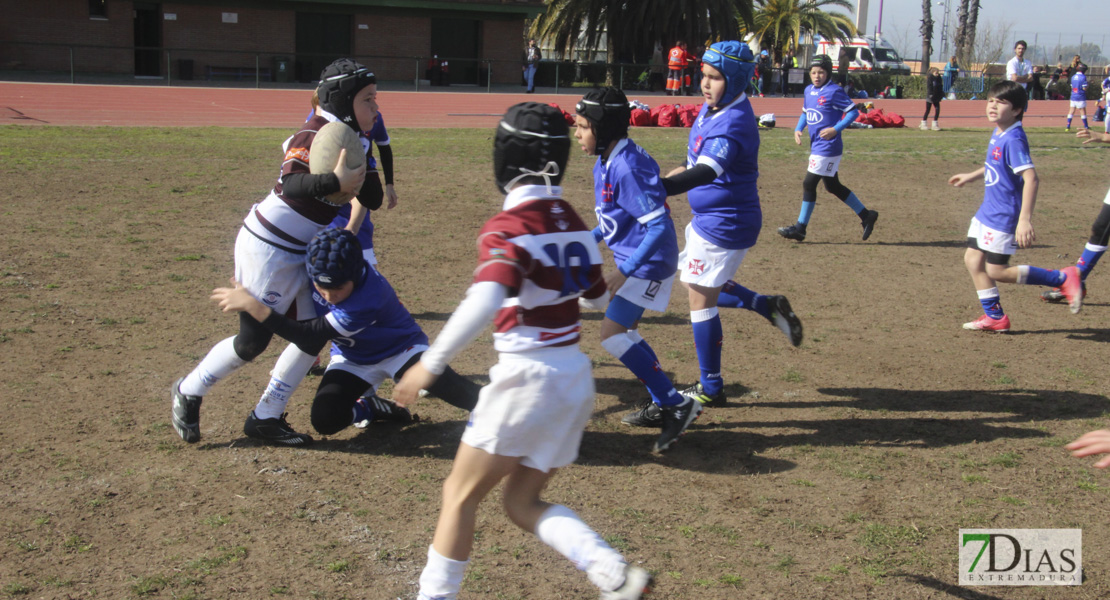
(961, 31)
(926, 34)
(972, 24)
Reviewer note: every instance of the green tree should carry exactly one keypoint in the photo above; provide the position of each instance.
(780, 24)
(632, 28)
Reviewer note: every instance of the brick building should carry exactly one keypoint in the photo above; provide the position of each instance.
(273, 40)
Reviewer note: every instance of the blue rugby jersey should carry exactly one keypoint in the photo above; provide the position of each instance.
(1007, 156)
(825, 107)
(726, 211)
(628, 194)
(373, 323)
(380, 137)
(1078, 87)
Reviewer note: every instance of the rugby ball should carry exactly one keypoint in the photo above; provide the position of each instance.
(323, 155)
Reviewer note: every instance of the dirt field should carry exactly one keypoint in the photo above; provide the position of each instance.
(841, 469)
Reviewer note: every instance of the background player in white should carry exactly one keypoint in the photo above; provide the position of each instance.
(373, 336)
(536, 259)
(828, 112)
(269, 260)
(635, 223)
(720, 175)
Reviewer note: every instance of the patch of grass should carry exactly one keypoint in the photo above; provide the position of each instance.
(785, 563)
(40, 521)
(970, 478)
(190, 257)
(854, 517)
(75, 543)
(803, 483)
(339, 566)
(26, 545)
(879, 536)
(16, 589)
(618, 542)
(1009, 460)
(1012, 500)
(793, 376)
(144, 586)
(1005, 380)
(216, 521)
(208, 564)
(731, 579)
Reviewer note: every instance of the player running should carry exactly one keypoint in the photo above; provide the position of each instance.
(828, 112)
(536, 259)
(720, 175)
(269, 260)
(635, 222)
(373, 336)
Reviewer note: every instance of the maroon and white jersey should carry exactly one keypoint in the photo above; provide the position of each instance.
(540, 249)
(288, 222)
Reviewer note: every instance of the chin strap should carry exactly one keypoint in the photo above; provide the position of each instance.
(550, 170)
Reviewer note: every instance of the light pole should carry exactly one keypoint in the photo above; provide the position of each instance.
(944, 30)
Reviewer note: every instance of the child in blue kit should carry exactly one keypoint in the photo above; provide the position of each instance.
(635, 222)
(1078, 96)
(373, 336)
(380, 138)
(828, 112)
(720, 175)
(1005, 218)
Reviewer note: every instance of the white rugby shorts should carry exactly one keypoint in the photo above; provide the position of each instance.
(826, 166)
(1078, 103)
(648, 294)
(275, 276)
(706, 264)
(375, 374)
(536, 406)
(991, 240)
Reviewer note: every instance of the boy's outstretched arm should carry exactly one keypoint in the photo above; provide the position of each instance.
(1093, 136)
(1091, 443)
(310, 336)
(962, 179)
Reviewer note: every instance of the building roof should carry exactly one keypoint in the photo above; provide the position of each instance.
(528, 8)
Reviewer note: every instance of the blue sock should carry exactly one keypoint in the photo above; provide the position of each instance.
(1089, 259)
(647, 348)
(734, 295)
(708, 337)
(806, 212)
(991, 306)
(648, 370)
(1085, 125)
(853, 203)
(1049, 277)
(362, 413)
(1069, 122)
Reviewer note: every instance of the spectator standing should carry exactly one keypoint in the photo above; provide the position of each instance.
(934, 94)
(951, 72)
(764, 72)
(1018, 69)
(677, 59)
(532, 58)
(788, 62)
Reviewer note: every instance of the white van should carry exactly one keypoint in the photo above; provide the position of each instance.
(865, 54)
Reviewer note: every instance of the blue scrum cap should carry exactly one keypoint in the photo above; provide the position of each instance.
(334, 257)
(736, 62)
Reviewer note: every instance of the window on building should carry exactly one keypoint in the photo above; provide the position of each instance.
(97, 9)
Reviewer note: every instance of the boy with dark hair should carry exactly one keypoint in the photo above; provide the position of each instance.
(1078, 96)
(1005, 218)
(635, 223)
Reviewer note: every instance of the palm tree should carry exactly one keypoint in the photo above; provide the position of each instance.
(926, 34)
(633, 27)
(961, 29)
(780, 24)
(972, 24)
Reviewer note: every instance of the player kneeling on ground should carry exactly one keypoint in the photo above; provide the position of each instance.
(536, 259)
(373, 336)
(635, 222)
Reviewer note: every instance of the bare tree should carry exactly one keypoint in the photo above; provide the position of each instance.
(991, 45)
(926, 34)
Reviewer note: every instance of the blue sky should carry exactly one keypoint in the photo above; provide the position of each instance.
(1049, 21)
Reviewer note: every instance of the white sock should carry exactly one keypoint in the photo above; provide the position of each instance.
(705, 314)
(561, 529)
(220, 362)
(985, 294)
(618, 344)
(441, 578)
(1023, 274)
(291, 368)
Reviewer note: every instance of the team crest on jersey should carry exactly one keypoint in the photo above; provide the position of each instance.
(996, 153)
(988, 237)
(696, 266)
(300, 154)
(271, 297)
(607, 193)
(823, 100)
(990, 175)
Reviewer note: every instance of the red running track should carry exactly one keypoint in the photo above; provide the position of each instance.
(91, 105)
